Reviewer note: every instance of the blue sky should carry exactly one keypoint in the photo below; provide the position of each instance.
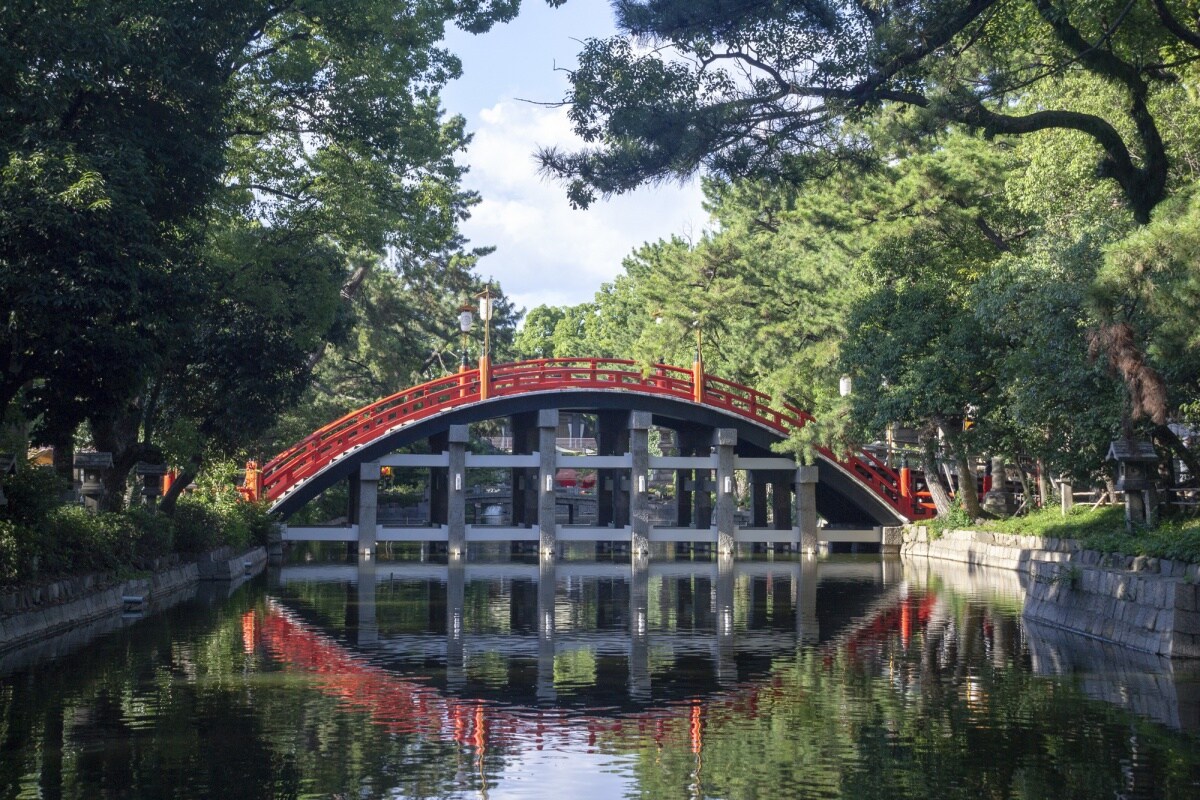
(547, 252)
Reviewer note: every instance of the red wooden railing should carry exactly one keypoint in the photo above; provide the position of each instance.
(316, 451)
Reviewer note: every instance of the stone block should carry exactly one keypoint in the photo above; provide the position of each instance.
(1187, 622)
(1181, 596)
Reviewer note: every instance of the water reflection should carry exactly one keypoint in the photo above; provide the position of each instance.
(841, 678)
(569, 633)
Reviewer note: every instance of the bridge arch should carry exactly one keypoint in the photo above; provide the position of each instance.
(841, 498)
(856, 489)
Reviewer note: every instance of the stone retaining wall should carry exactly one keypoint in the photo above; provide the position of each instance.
(1147, 604)
(39, 612)
(53, 618)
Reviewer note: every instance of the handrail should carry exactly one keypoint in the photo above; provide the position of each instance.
(360, 427)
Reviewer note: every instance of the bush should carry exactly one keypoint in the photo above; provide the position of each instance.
(32, 495)
(75, 540)
(10, 553)
(198, 526)
(155, 535)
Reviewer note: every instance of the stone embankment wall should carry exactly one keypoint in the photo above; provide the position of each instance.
(38, 612)
(1147, 604)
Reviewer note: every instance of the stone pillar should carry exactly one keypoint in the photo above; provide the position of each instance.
(456, 665)
(999, 500)
(547, 579)
(547, 467)
(439, 497)
(726, 654)
(639, 497)
(758, 498)
(725, 440)
(781, 503)
(1067, 493)
(612, 436)
(639, 628)
(456, 492)
(524, 493)
(806, 507)
(367, 632)
(368, 505)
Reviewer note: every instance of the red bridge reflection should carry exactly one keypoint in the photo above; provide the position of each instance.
(404, 705)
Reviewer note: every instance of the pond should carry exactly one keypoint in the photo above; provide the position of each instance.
(855, 677)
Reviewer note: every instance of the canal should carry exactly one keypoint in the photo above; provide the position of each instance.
(852, 677)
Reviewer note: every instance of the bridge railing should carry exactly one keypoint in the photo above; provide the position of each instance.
(358, 428)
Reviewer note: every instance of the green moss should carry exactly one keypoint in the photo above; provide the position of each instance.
(1103, 529)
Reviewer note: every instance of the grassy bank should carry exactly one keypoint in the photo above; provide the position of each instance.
(1101, 529)
(42, 538)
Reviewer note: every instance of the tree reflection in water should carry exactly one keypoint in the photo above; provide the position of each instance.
(843, 679)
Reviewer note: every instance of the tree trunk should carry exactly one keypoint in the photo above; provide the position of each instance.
(167, 504)
(1169, 439)
(968, 490)
(933, 479)
(1023, 477)
(1044, 488)
(119, 434)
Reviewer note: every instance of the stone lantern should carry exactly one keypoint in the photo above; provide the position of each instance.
(151, 475)
(1136, 460)
(92, 466)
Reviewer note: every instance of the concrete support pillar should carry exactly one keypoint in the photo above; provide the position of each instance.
(758, 498)
(702, 505)
(524, 492)
(683, 498)
(456, 492)
(781, 503)
(806, 507)
(724, 441)
(456, 665)
(726, 653)
(367, 630)
(639, 628)
(639, 479)
(613, 500)
(439, 509)
(368, 505)
(547, 467)
(547, 580)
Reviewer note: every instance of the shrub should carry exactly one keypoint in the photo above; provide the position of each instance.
(197, 525)
(155, 535)
(10, 553)
(32, 495)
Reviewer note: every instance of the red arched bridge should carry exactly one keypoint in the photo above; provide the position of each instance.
(851, 488)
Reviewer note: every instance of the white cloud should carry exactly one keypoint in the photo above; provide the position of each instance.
(547, 252)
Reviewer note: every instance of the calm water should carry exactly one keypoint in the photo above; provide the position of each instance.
(854, 677)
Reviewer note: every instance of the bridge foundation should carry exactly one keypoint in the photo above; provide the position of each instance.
(547, 468)
(724, 442)
(639, 499)
(806, 507)
(456, 486)
(368, 506)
